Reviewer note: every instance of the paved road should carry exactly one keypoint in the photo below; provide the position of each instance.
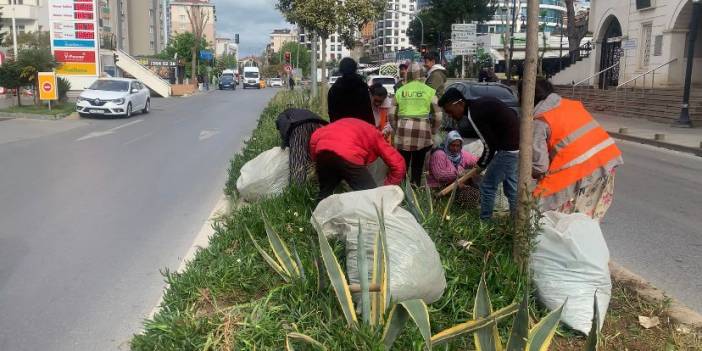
(654, 227)
(91, 210)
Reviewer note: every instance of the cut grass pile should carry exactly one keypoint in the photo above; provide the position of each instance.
(228, 298)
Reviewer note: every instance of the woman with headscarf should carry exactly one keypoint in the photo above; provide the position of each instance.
(447, 163)
(296, 127)
(349, 96)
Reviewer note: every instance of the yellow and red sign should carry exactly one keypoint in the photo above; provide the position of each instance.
(47, 86)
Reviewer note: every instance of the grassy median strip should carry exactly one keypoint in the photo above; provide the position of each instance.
(229, 298)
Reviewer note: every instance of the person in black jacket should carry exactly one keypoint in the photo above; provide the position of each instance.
(349, 96)
(295, 127)
(498, 127)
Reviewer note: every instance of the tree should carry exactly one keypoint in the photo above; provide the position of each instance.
(442, 13)
(299, 56)
(11, 78)
(182, 44)
(34, 61)
(576, 30)
(198, 20)
(33, 40)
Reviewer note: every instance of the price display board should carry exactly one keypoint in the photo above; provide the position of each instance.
(74, 36)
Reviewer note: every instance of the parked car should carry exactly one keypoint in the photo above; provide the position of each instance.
(276, 82)
(388, 82)
(114, 97)
(333, 79)
(226, 81)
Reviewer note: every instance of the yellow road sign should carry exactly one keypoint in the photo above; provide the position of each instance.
(47, 86)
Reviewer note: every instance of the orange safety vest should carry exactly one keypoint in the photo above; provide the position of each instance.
(578, 146)
(383, 121)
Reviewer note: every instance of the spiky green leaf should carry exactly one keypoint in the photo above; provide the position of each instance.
(297, 337)
(520, 328)
(448, 204)
(541, 335)
(396, 321)
(473, 325)
(271, 262)
(593, 338)
(385, 283)
(363, 276)
(412, 202)
(487, 338)
(281, 251)
(378, 277)
(419, 312)
(336, 276)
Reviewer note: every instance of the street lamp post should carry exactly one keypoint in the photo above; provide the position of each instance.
(684, 119)
(14, 28)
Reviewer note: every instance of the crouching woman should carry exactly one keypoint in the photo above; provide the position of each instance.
(447, 163)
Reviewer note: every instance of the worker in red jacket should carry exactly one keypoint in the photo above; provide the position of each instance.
(343, 150)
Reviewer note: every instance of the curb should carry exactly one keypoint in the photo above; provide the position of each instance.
(661, 144)
(675, 310)
(201, 241)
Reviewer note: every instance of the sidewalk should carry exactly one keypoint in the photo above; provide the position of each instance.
(652, 133)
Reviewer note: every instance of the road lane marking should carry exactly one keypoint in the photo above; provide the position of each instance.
(108, 131)
(206, 134)
(138, 138)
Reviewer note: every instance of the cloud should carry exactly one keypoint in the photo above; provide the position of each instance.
(254, 20)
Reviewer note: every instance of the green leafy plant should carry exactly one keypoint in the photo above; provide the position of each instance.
(64, 86)
(286, 264)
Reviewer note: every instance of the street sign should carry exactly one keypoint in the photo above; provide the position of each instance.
(73, 34)
(47, 86)
(629, 44)
(463, 36)
(463, 44)
(464, 27)
(287, 68)
(463, 51)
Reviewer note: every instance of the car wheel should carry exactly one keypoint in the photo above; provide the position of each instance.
(147, 107)
(129, 111)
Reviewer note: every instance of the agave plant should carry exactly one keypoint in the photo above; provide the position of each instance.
(286, 264)
(377, 307)
(421, 204)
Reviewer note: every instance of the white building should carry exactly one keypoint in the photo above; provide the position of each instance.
(281, 36)
(391, 31)
(637, 37)
(335, 46)
(30, 16)
(551, 13)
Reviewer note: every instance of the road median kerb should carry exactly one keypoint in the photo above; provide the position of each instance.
(677, 311)
(657, 143)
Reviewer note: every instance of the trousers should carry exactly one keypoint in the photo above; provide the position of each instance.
(332, 169)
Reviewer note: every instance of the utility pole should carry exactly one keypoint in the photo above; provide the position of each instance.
(684, 119)
(511, 40)
(14, 28)
(521, 240)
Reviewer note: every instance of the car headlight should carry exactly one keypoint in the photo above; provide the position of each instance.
(117, 101)
(80, 98)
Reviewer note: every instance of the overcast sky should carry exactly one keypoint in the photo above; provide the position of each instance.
(252, 19)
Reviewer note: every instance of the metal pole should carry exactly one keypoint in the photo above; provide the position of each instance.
(560, 54)
(14, 29)
(684, 119)
(511, 40)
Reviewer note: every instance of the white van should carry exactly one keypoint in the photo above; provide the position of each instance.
(252, 77)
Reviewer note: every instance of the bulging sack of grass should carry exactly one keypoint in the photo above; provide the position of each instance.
(264, 176)
(570, 261)
(414, 266)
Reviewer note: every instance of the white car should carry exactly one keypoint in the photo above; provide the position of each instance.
(114, 97)
(276, 82)
(333, 79)
(388, 82)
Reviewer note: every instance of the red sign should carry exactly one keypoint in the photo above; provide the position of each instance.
(75, 56)
(47, 87)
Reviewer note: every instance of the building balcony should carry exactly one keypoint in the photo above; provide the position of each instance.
(22, 12)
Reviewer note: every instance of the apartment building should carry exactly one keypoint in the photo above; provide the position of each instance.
(335, 46)
(145, 19)
(391, 32)
(551, 14)
(280, 37)
(180, 22)
(30, 15)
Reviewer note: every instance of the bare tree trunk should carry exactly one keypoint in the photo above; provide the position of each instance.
(574, 37)
(521, 240)
(313, 70)
(325, 87)
(193, 68)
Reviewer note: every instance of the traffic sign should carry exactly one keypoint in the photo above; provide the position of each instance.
(464, 27)
(463, 51)
(463, 36)
(288, 68)
(47, 86)
(463, 44)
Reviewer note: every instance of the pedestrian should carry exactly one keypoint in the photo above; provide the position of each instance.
(344, 149)
(382, 109)
(483, 76)
(403, 76)
(436, 73)
(447, 163)
(349, 96)
(296, 127)
(291, 83)
(497, 126)
(575, 159)
(413, 123)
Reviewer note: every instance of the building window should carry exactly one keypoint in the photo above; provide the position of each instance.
(646, 32)
(658, 45)
(151, 44)
(151, 29)
(338, 48)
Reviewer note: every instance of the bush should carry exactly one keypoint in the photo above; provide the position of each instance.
(64, 86)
